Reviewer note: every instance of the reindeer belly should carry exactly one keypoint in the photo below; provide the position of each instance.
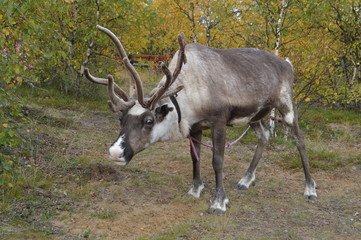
(243, 116)
(239, 122)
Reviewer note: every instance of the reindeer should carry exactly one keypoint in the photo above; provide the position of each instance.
(207, 89)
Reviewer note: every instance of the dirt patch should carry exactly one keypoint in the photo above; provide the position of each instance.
(100, 172)
(129, 222)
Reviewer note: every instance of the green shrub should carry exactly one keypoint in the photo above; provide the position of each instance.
(12, 120)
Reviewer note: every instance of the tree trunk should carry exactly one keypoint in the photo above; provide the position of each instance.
(272, 123)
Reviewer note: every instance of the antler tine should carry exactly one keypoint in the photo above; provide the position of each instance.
(136, 78)
(172, 92)
(162, 89)
(117, 42)
(170, 78)
(117, 104)
(104, 81)
(133, 73)
(181, 56)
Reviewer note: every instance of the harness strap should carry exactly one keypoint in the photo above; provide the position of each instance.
(239, 138)
(194, 148)
(276, 119)
(176, 105)
(191, 139)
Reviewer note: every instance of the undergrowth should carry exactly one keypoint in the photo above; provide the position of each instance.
(330, 135)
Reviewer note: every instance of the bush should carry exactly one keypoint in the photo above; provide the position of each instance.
(12, 119)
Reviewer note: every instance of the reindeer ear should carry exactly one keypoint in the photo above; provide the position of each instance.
(162, 111)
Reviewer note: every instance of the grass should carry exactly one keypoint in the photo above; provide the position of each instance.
(321, 115)
(53, 98)
(179, 230)
(105, 214)
(323, 159)
(63, 170)
(22, 230)
(329, 146)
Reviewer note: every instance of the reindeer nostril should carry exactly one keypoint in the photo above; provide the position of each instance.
(116, 152)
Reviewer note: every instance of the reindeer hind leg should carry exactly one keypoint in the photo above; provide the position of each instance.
(290, 117)
(249, 178)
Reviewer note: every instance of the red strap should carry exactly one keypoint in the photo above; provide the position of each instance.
(194, 148)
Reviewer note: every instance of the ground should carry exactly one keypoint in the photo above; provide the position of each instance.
(94, 199)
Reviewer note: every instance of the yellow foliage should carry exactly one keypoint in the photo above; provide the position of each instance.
(17, 69)
(6, 31)
(19, 79)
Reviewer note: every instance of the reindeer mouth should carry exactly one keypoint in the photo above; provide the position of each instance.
(121, 158)
(119, 161)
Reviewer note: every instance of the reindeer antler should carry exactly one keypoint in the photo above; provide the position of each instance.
(124, 102)
(116, 103)
(132, 72)
(170, 78)
(104, 81)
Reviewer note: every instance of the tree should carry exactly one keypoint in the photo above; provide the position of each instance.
(205, 21)
(345, 28)
(68, 34)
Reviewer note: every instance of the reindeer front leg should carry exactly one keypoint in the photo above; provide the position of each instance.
(220, 201)
(197, 185)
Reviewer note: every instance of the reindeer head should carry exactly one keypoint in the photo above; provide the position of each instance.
(142, 120)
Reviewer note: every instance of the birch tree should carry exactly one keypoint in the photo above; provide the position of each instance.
(284, 6)
(283, 23)
(203, 21)
(344, 26)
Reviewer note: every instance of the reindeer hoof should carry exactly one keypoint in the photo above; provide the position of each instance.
(196, 191)
(249, 179)
(244, 187)
(216, 211)
(312, 197)
(218, 207)
(310, 190)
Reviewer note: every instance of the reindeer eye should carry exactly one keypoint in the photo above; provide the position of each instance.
(148, 121)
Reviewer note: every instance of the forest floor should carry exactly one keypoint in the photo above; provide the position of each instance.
(74, 192)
